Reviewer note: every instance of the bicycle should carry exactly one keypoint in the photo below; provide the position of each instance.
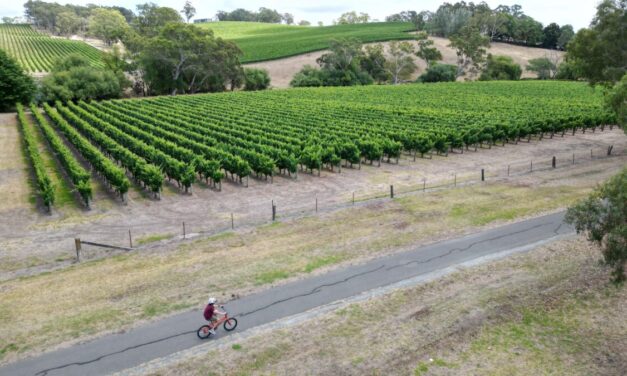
(230, 323)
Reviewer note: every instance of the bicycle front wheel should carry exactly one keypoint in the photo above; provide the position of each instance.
(230, 324)
(203, 332)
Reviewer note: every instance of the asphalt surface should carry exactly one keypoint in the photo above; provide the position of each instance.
(117, 352)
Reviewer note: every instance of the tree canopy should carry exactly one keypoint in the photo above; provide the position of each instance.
(73, 78)
(15, 85)
(501, 68)
(603, 217)
(183, 58)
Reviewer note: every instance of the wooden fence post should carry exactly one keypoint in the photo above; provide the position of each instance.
(232, 222)
(507, 170)
(353, 197)
(273, 212)
(77, 243)
(553, 162)
(391, 191)
(316, 204)
(130, 238)
(482, 175)
(184, 234)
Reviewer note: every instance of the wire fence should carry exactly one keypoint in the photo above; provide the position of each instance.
(225, 222)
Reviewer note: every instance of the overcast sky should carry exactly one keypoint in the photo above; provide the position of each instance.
(578, 13)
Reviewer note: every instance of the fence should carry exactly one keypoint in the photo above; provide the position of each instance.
(231, 221)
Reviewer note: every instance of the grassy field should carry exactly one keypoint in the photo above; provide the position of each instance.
(261, 41)
(551, 311)
(117, 292)
(37, 52)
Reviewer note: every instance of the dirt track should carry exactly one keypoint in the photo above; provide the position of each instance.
(30, 238)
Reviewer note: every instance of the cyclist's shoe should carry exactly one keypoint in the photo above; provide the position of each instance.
(212, 331)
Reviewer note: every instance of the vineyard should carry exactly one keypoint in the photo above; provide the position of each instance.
(261, 134)
(37, 52)
(259, 41)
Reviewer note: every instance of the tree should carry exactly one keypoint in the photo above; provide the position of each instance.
(320, 23)
(439, 73)
(426, 51)
(600, 52)
(528, 31)
(449, 19)
(308, 76)
(185, 58)
(603, 217)
(352, 18)
(566, 34)
(268, 16)
(68, 23)
(15, 85)
(72, 78)
(543, 67)
(304, 23)
(256, 79)
(288, 18)
(373, 62)
(418, 19)
(152, 18)
(501, 68)
(341, 66)
(114, 62)
(400, 63)
(470, 48)
(616, 99)
(188, 10)
(551, 35)
(8, 20)
(108, 25)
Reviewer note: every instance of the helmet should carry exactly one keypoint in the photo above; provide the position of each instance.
(211, 300)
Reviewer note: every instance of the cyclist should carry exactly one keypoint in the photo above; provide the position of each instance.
(211, 313)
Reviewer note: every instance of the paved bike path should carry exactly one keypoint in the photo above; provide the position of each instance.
(121, 351)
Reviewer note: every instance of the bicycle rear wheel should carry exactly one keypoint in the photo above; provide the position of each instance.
(230, 324)
(203, 332)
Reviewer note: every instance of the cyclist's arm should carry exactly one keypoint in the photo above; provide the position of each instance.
(219, 312)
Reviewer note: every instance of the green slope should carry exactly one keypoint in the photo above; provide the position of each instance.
(261, 41)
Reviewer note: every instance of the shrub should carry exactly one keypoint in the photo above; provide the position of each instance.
(501, 68)
(439, 73)
(256, 79)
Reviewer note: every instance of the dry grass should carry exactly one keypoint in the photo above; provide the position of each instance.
(118, 292)
(550, 311)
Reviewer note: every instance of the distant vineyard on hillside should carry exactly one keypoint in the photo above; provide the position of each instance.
(260, 41)
(208, 136)
(37, 52)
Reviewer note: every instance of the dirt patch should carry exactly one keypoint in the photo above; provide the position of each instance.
(283, 70)
(14, 188)
(550, 311)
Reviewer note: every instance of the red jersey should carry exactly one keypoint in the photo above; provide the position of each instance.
(209, 312)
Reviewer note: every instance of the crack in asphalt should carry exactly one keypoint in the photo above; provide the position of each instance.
(313, 291)
(464, 249)
(45, 372)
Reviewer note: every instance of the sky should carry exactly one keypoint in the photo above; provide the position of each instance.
(578, 13)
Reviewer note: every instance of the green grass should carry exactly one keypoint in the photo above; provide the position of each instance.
(320, 262)
(261, 42)
(153, 238)
(271, 276)
(63, 195)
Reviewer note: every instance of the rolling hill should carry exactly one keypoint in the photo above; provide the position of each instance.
(261, 41)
